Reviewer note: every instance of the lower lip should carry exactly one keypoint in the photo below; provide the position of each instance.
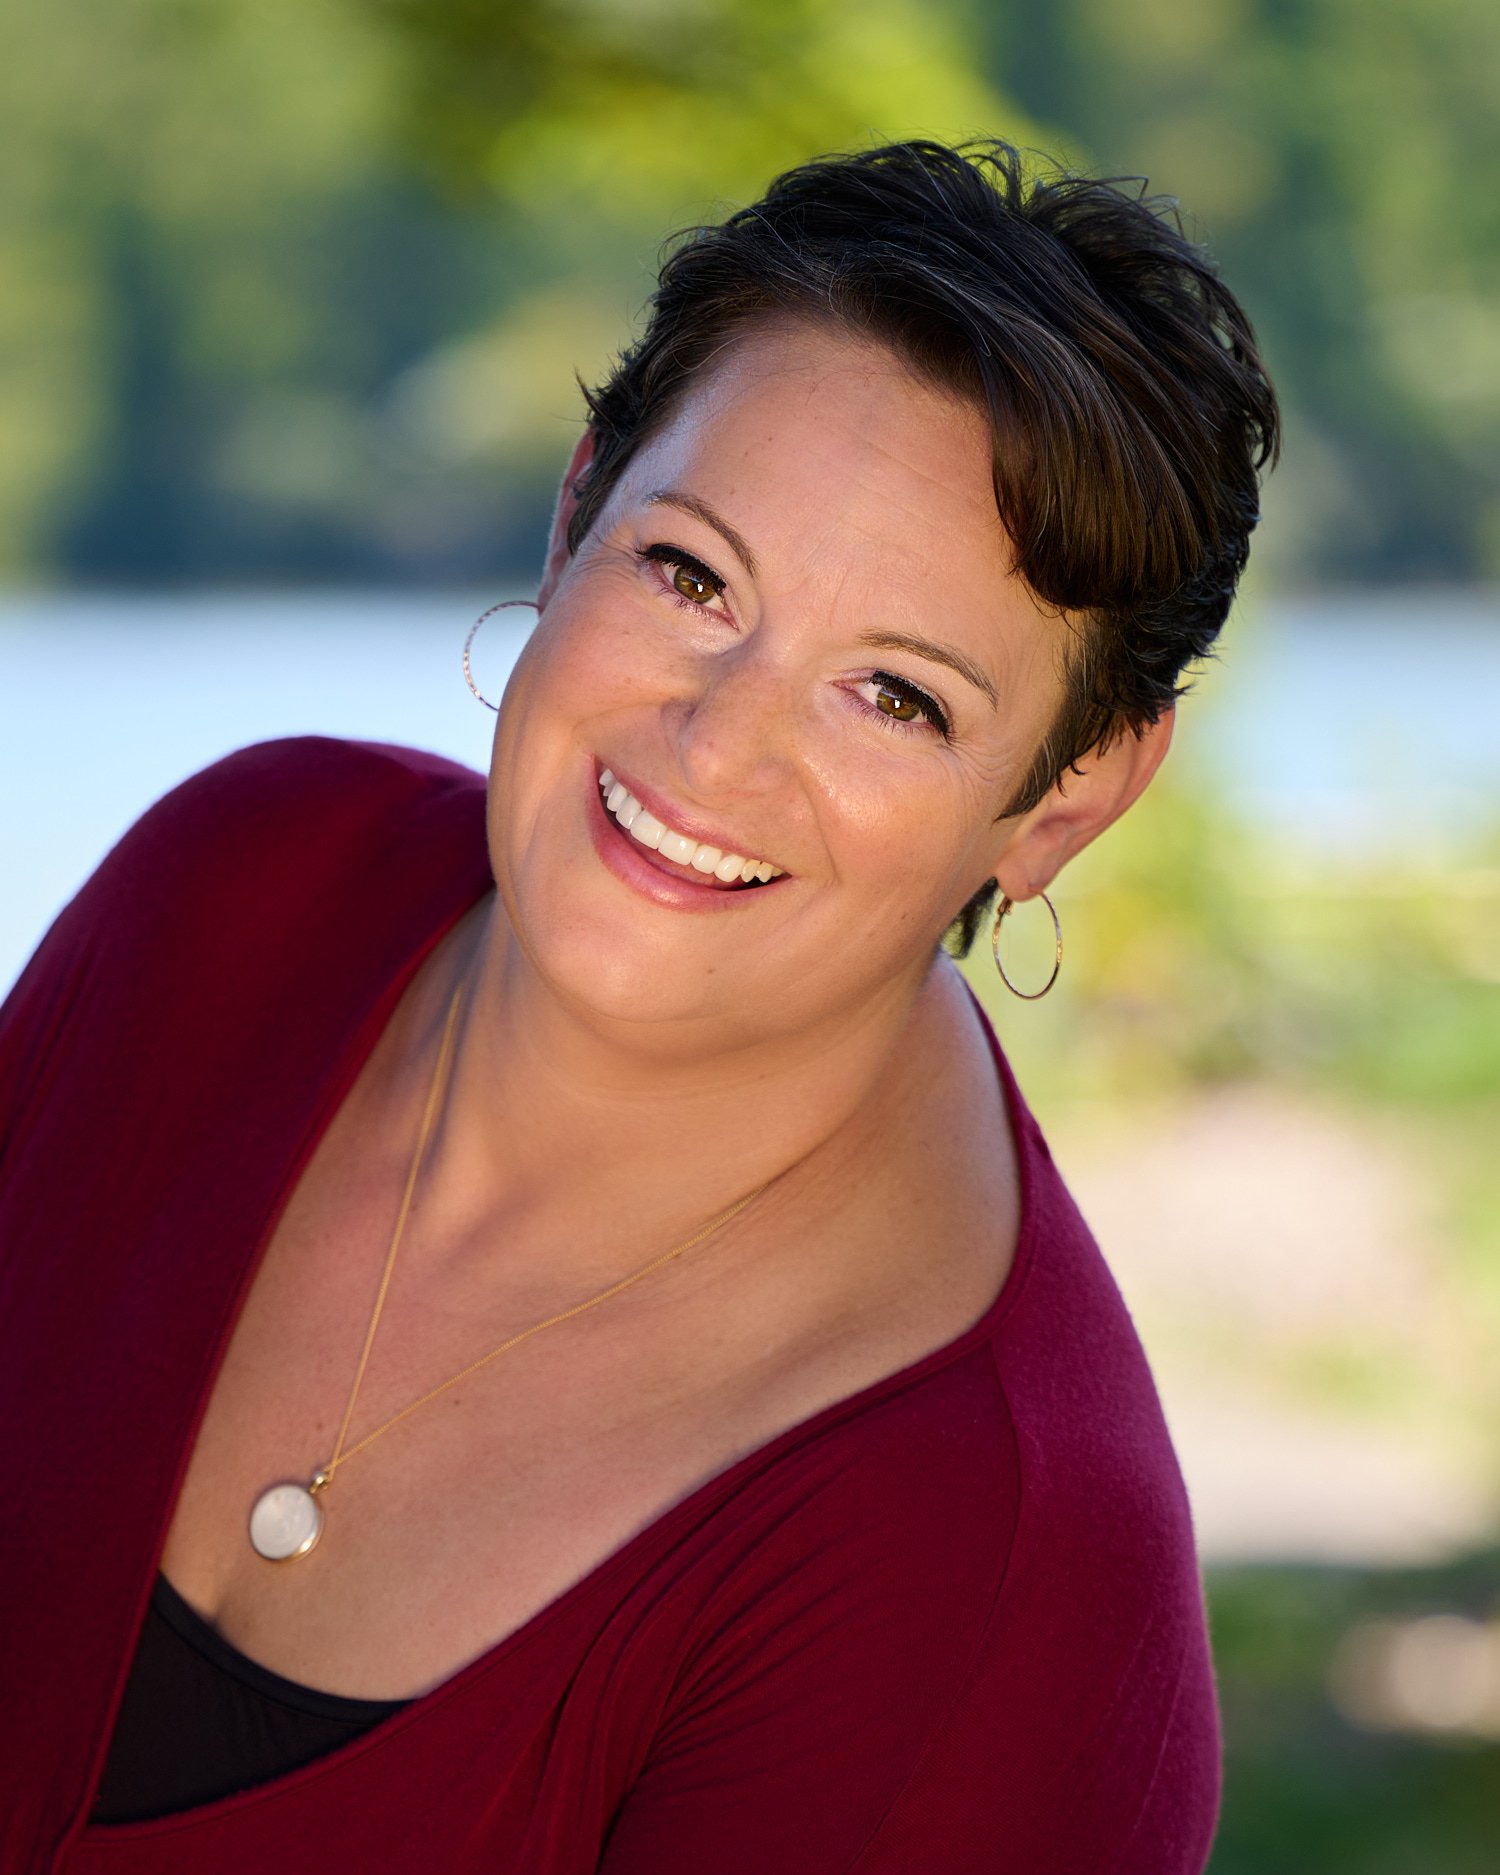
(638, 866)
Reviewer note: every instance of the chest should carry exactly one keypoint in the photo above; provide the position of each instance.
(461, 1522)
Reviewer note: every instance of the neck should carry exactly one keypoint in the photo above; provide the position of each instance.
(552, 1120)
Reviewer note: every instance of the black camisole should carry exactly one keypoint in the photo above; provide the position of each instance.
(200, 1720)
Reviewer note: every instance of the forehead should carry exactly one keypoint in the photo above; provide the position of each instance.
(806, 432)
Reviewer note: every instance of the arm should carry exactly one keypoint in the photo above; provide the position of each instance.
(957, 1678)
(35, 1014)
(794, 1737)
(188, 880)
(852, 1778)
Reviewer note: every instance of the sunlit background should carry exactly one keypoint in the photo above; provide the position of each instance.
(293, 297)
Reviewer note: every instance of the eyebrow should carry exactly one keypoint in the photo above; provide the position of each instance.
(710, 517)
(938, 653)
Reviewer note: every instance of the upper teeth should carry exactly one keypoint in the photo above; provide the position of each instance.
(682, 847)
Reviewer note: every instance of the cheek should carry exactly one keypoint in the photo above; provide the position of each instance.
(937, 859)
(585, 662)
(572, 670)
(906, 812)
(534, 738)
(595, 654)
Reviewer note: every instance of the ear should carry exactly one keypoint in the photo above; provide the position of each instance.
(567, 503)
(1079, 807)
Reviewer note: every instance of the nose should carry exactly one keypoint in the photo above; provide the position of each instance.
(731, 730)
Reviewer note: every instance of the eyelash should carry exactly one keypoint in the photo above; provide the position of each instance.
(662, 553)
(906, 690)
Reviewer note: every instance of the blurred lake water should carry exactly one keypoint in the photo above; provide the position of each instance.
(1348, 723)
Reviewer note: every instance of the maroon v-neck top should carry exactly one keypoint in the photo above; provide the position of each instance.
(950, 1625)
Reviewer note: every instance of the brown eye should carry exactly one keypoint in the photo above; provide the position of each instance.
(904, 708)
(902, 702)
(691, 585)
(692, 582)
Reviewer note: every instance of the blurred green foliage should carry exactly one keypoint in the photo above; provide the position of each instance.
(297, 291)
(1343, 157)
(1200, 949)
(604, 118)
(1308, 1792)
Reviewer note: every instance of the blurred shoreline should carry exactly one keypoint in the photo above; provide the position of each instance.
(1344, 725)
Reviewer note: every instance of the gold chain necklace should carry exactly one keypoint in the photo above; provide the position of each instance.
(287, 1519)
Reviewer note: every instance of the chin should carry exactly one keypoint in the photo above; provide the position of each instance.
(617, 977)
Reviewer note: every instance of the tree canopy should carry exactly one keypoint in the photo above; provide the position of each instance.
(299, 290)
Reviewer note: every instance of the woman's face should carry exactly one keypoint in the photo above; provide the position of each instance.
(792, 635)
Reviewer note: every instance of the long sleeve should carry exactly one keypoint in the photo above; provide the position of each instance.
(34, 1015)
(822, 1679)
(187, 882)
(838, 1765)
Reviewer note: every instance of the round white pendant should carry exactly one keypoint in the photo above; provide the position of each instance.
(286, 1521)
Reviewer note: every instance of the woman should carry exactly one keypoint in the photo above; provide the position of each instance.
(544, 1331)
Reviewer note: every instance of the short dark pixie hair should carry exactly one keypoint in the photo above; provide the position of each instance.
(1128, 404)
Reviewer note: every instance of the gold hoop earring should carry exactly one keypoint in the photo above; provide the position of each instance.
(1029, 996)
(468, 674)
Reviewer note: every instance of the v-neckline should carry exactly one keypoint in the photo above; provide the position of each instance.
(335, 1087)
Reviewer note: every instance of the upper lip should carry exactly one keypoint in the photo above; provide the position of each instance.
(679, 821)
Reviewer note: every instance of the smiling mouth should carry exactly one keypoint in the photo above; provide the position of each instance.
(715, 865)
